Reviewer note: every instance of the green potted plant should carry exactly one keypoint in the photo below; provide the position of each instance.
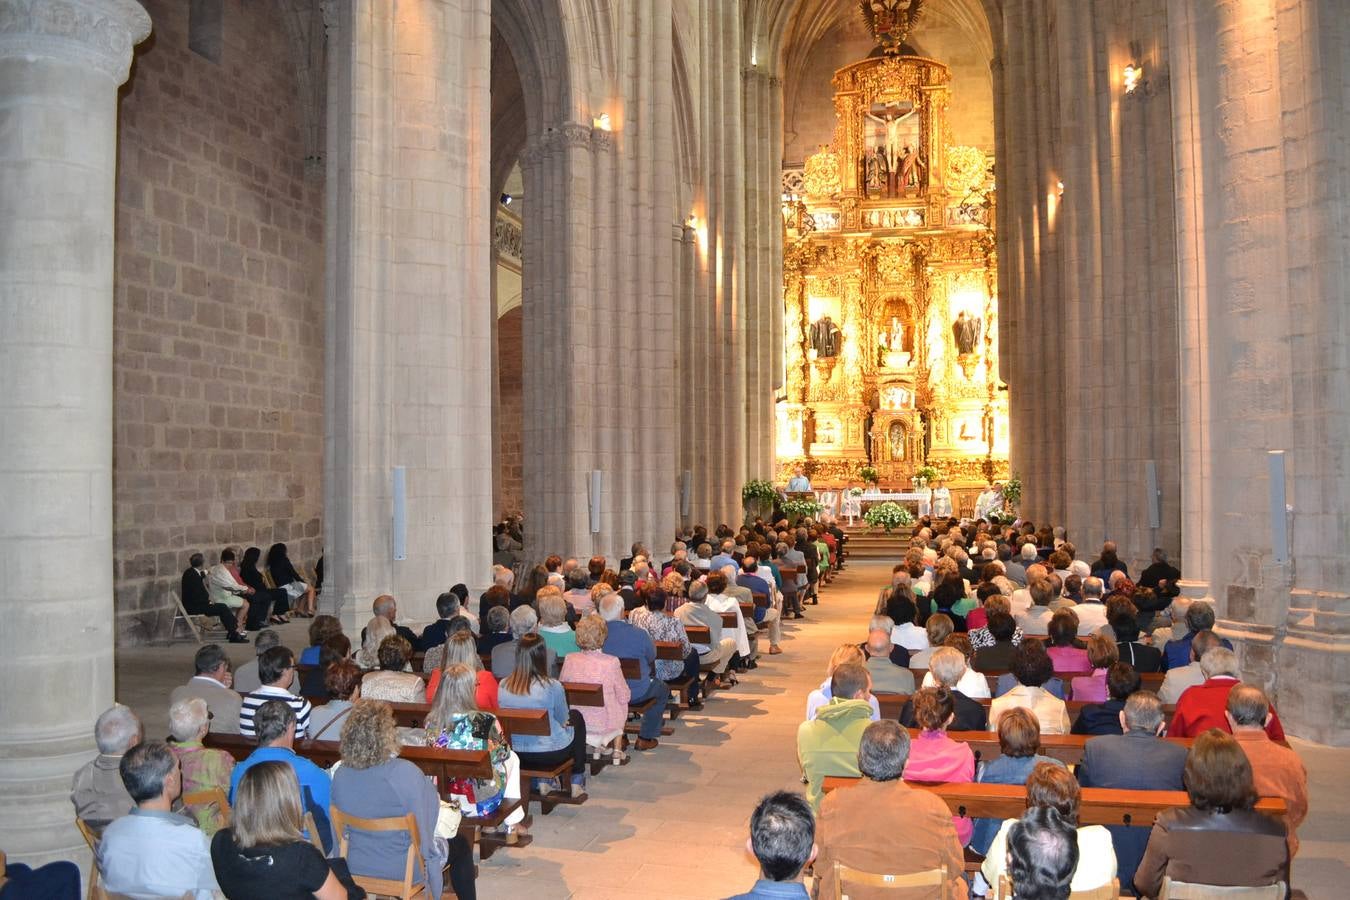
(888, 515)
(796, 510)
(924, 475)
(1012, 492)
(758, 496)
(868, 475)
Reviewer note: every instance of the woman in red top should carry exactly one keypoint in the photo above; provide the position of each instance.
(461, 648)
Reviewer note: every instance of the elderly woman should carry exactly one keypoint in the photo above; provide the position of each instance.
(377, 629)
(590, 664)
(970, 682)
(462, 650)
(948, 669)
(524, 620)
(1051, 785)
(496, 630)
(264, 853)
(982, 637)
(662, 626)
(553, 627)
(844, 653)
(530, 687)
(1219, 839)
(373, 783)
(456, 723)
(1032, 668)
(1104, 718)
(313, 684)
(938, 627)
(1066, 651)
(203, 768)
(933, 756)
(1019, 740)
(1102, 655)
(320, 630)
(393, 682)
(342, 680)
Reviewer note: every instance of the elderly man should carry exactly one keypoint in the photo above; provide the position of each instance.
(1197, 616)
(1137, 760)
(886, 662)
(881, 803)
(1176, 681)
(765, 616)
(717, 654)
(448, 606)
(276, 668)
(828, 743)
(214, 684)
(197, 599)
(153, 852)
(1091, 612)
(721, 600)
(1276, 769)
(275, 724)
(246, 678)
(97, 789)
(1035, 622)
(523, 621)
(1204, 706)
(727, 557)
(386, 607)
(1161, 576)
(630, 642)
(1042, 854)
(947, 668)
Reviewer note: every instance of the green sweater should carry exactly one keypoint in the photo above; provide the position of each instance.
(828, 744)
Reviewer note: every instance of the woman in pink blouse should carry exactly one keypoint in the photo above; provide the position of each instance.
(935, 757)
(1102, 654)
(1065, 650)
(593, 666)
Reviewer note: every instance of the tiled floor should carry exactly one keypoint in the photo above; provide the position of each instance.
(673, 823)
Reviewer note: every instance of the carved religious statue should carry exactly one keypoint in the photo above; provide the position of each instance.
(892, 117)
(966, 330)
(825, 338)
(912, 168)
(876, 172)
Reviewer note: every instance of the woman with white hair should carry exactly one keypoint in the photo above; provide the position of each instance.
(377, 629)
(203, 768)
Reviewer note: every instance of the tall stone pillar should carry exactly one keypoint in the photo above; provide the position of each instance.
(409, 310)
(61, 62)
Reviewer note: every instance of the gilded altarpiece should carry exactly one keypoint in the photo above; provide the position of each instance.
(890, 291)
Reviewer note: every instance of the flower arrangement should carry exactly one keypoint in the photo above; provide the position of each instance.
(855, 492)
(796, 510)
(927, 473)
(1012, 490)
(889, 516)
(758, 490)
(868, 475)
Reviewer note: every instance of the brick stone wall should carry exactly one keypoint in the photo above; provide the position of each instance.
(218, 310)
(508, 483)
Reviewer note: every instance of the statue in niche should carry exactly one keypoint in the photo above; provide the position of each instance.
(825, 338)
(912, 168)
(895, 438)
(876, 172)
(896, 124)
(966, 330)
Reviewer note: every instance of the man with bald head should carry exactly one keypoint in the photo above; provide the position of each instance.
(386, 607)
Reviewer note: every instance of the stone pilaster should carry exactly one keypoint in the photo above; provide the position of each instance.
(61, 62)
(408, 353)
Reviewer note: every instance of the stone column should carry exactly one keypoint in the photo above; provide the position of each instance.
(409, 311)
(61, 62)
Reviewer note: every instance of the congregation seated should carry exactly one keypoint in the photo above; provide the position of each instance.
(462, 650)
(196, 597)
(996, 654)
(152, 851)
(496, 631)
(1196, 616)
(625, 641)
(917, 825)
(886, 662)
(828, 743)
(553, 627)
(1277, 770)
(972, 683)
(1050, 785)
(590, 664)
(981, 637)
(1032, 669)
(321, 628)
(530, 686)
(1219, 839)
(225, 587)
(203, 768)
(1204, 706)
(276, 743)
(1105, 717)
(718, 654)
(373, 783)
(1019, 740)
(1035, 621)
(844, 654)
(1091, 610)
(1177, 681)
(948, 669)
(662, 626)
(1101, 655)
(246, 678)
(314, 680)
(276, 669)
(434, 658)
(447, 609)
(342, 684)
(263, 853)
(392, 681)
(903, 612)
(935, 757)
(276, 598)
(212, 683)
(723, 599)
(456, 723)
(524, 621)
(301, 594)
(938, 628)
(386, 607)
(98, 790)
(1142, 656)
(782, 839)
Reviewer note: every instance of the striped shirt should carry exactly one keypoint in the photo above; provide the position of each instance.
(267, 692)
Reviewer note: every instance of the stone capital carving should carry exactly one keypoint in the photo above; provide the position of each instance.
(602, 140)
(573, 134)
(96, 34)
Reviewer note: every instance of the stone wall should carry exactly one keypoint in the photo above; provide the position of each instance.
(508, 494)
(218, 311)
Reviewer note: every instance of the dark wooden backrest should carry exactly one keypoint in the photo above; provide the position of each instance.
(580, 693)
(444, 765)
(669, 650)
(698, 634)
(748, 611)
(728, 620)
(632, 668)
(513, 721)
(760, 600)
(891, 704)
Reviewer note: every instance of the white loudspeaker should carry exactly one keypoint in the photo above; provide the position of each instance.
(1154, 495)
(1279, 520)
(595, 501)
(686, 493)
(400, 494)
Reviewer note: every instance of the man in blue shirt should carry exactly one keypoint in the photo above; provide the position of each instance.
(630, 642)
(1199, 616)
(767, 616)
(727, 557)
(783, 839)
(798, 483)
(275, 724)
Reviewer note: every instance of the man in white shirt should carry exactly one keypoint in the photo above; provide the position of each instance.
(213, 683)
(152, 852)
(1091, 612)
(719, 601)
(1035, 622)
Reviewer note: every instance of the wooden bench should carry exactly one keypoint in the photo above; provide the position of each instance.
(583, 693)
(759, 600)
(632, 671)
(1148, 681)
(729, 620)
(672, 651)
(891, 704)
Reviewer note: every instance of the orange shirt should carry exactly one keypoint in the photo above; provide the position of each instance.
(1278, 772)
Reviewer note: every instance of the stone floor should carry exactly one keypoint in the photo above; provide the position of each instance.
(673, 823)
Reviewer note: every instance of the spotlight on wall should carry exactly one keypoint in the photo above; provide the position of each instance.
(506, 199)
(1059, 189)
(1132, 77)
(601, 122)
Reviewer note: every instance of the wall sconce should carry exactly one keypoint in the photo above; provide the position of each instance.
(1132, 77)
(691, 222)
(601, 122)
(1059, 189)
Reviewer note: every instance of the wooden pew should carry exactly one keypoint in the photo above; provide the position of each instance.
(581, 693)
(699, 634)
(1099, 806)
(760, 600)
(728, 620)
(671, 650)
(632, 670)
(891, 704)
(1148, 681)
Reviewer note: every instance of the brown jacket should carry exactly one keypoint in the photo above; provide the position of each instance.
(1278, 772)
(1242, 848)
(885, 827)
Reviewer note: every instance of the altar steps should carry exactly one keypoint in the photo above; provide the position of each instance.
(864, 544)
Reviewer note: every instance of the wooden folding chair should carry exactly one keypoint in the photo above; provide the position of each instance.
(405, 889)
(211, 795)
(933, 879)
(181, 615)
(1105, 892)
(1183, 890)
